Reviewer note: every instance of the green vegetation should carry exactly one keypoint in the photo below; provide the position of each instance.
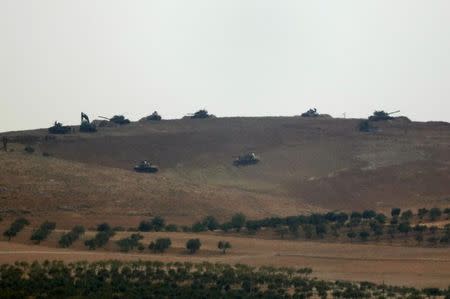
(160, 245)
(224, 246)
(15, 228)
(101, 238)
(156, 224)
(42, 232)
(138, 279)
(129, 243)
(67, 239)
(193, 245)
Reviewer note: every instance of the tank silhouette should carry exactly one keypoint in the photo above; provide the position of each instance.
(247, 159)
(382, 115)
(58, 128)
(310, 113)
(201, 114)
(154, 116)
(145, 166)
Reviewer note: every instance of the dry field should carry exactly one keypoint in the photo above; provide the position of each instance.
(417, 267)
(307, 165)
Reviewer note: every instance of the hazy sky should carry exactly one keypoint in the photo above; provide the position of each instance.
(232, 57)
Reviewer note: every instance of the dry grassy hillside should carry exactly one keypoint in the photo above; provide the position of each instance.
(307, 165)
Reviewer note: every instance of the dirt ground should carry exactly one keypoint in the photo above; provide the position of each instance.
(418, 267)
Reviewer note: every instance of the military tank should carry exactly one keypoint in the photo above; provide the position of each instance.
(145, 166)
(58, 128)
(154, 116)
(247, 159)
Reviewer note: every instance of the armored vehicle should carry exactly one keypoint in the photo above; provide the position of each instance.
(247, 159)
(154, 116)
(310, 113)
(58, 128)
(145, 166)
(381, 115)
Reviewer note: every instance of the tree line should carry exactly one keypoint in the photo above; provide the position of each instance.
(139, 279)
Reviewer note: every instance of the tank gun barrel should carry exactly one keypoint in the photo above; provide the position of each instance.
(394, 112)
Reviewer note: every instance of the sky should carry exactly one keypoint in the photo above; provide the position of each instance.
(232, 57)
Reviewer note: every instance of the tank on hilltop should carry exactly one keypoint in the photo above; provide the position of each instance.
(145, 166)
(202, 114)
(382, 115)
(310, 113)
(154, 117)
(58, 128)
(247, 159)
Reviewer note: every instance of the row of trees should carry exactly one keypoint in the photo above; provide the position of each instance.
(42, 232)
(139, 279)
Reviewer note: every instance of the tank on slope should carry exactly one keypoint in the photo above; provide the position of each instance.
(247, 159)
(145, 166)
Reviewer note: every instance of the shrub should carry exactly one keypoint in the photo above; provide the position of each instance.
(43, 231)
(103, 227)
(435, 213)
(129, 243)
(224, 245)
(193, 245)
(395, 212)
(238, 221)
(145, 226)
(171, 228)
(198, 227)
(368, 214)
(100, 239)
(211, 223)
(28, 149)
(16, 227)
(160, 245)
(158, 223)
(67, 239)
(364, 235)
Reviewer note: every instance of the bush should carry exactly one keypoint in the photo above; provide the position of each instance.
(238, 221)
(100, 239)
(160, 245)
(158, 223)
(211, 223)
(67, 239)
(193, 245)
(43, 231)
(145, 226)
(103, 227)
(28, 149)
(171, 228)
(198, 227)
(435, 213)
(16, 227)
(224, 245)
(129, 243)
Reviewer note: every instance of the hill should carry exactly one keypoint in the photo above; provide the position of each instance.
(306, 165)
